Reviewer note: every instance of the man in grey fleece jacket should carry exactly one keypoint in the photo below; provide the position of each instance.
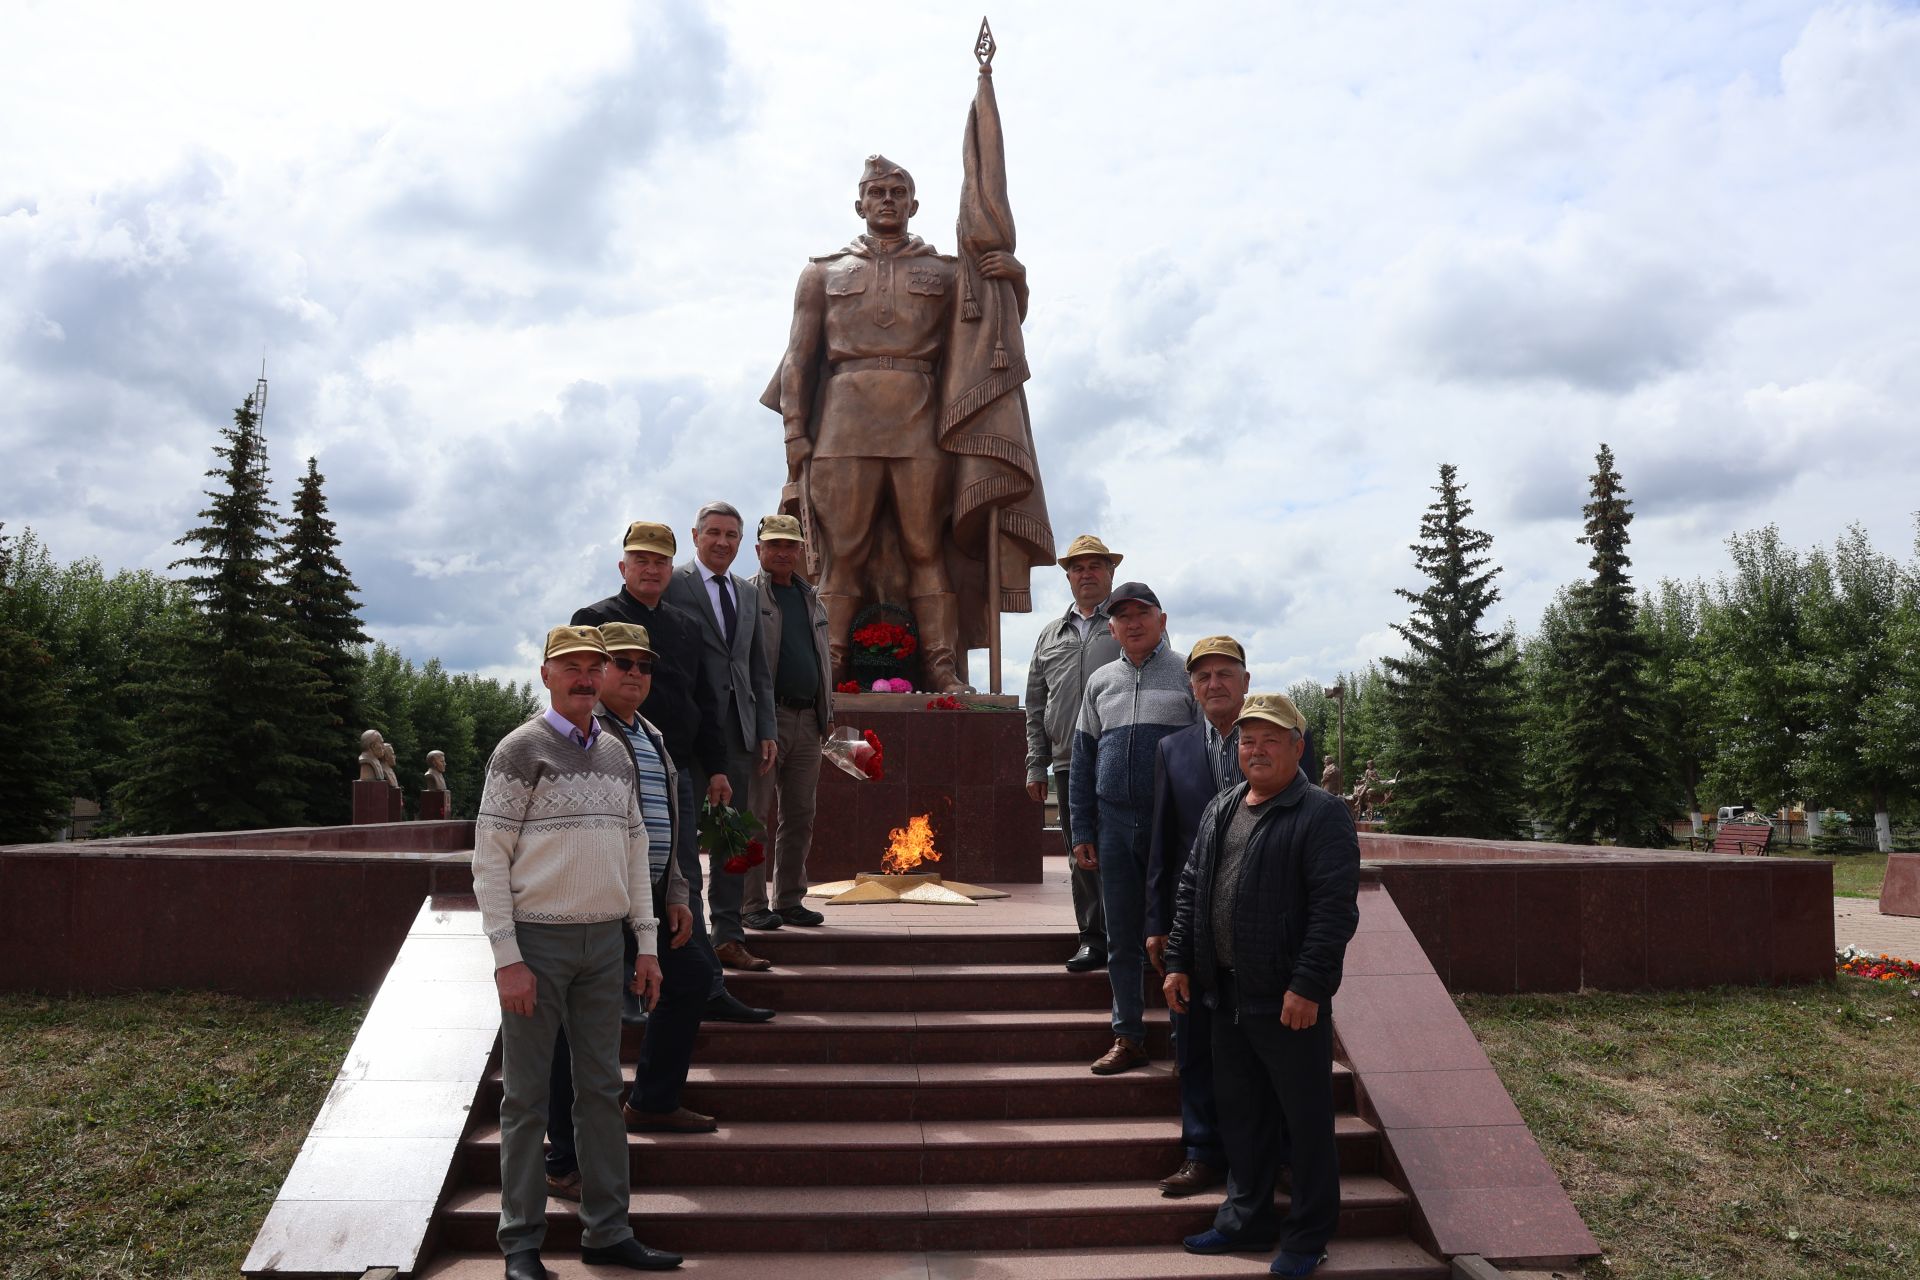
(1130, 705)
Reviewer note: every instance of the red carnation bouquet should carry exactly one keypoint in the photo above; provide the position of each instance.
(858, 752)
(885, 640)
(727, 832)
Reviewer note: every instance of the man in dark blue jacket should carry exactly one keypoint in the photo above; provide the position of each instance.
(1262, 917)
(1190, 768)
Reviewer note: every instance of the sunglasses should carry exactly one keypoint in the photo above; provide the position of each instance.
(643, 665)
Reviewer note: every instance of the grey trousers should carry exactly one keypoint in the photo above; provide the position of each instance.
(724, 889)
(1088, 913)
(790, 792)
(578, 968)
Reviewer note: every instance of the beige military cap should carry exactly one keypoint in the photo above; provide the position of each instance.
(1274, 708)
(781, 529)
(1217, 646)
(645, 535)
(563, 640)
(625, 635)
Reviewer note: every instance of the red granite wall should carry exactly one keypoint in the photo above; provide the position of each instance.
(965, 768)
(1623, 923)
(1900, 893)
(272, 924)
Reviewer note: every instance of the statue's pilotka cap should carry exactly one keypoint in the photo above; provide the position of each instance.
(645, 535)
(564, 640)
(781, 529)
(1274, 708)
(1217, 646)
(1088, 545)
(878, 166)
(1132, 591)
(625, 635)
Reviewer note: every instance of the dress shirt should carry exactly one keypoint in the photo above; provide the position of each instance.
(718, 584)
(1223, 754)
(568, 730)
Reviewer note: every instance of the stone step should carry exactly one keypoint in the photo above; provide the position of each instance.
(906, 1153)
(950, 1036)
(928, 946)
(897, 988)
(743, 1091)
(1384, 1258)
(694, 1219)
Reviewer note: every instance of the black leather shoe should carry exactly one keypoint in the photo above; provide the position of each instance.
(631, 1254)
(1085, 959)
(727, 1007)
(631, 1011)
(805, 917)
(525, 1265)
(761, 920)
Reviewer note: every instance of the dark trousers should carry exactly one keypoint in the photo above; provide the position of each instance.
(666, 1052)
(686, 850)
(1087, 911)
(1199, 1114)
(1267, 1077)
(727, 890)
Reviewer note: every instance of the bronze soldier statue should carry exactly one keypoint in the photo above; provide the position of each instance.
(910, 456)
(861, 406)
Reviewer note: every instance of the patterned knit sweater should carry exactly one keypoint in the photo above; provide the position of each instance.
(559, 838)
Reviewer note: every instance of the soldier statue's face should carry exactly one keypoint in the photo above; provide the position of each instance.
(887, 204)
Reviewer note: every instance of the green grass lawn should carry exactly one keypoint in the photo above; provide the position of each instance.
(1855, 875)
(146, 1135)
(1737, 1133)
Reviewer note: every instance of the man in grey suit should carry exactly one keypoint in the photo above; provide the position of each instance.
(733, 662)
(795, 636)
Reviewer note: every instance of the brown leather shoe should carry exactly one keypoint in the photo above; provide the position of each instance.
(1124, 1056)
(735, 955)
(1190, 1179)
(565, 1187)
(678, 1120)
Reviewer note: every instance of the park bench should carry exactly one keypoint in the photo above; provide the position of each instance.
(1750, 838)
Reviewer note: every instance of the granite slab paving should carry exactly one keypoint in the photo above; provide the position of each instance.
(1857, 922)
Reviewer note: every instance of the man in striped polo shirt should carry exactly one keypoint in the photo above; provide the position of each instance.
(1129, 705)
(686, 968)
(559, 862)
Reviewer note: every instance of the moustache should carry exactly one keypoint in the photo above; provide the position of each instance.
(584, 690)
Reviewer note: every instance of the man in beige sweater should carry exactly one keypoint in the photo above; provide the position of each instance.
(559, 862)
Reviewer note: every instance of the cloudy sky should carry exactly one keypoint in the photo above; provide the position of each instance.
(519, 279)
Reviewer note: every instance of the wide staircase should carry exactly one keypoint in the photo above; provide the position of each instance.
(922, 1108)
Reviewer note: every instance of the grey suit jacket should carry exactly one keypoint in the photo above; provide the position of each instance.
(771, 621)
(742, 671)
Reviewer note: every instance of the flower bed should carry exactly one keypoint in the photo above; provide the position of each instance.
(1877, 968)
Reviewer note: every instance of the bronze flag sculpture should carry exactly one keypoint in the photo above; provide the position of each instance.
(909, 448)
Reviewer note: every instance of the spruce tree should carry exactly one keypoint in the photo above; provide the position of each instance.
(1453, 701)
(37, 751)
(1606, 776)
(324, 615)
(216, 749)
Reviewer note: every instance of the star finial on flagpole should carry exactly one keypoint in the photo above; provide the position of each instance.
(984, 47)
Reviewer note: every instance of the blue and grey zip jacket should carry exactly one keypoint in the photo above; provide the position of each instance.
(1126, 711)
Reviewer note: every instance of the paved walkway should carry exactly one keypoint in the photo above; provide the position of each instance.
(1858, 922)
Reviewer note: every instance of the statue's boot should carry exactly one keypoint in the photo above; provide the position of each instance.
(938, 617)
(840, 610)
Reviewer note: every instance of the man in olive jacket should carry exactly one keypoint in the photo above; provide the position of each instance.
(1262, 917)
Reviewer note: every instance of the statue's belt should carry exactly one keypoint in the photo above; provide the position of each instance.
(906, 364)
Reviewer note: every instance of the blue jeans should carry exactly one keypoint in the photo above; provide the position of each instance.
(1122, 842)
(1199, 1114)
